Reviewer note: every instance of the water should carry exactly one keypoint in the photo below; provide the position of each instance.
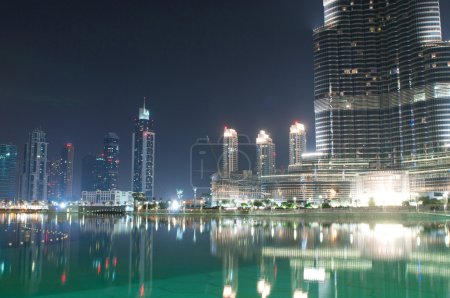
(168, 256)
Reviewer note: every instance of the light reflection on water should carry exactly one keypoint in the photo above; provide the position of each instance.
(171, 256)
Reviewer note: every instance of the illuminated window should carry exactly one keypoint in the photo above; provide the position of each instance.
(372, 29)
(354, 71)
(354, 44)
(433, 55)
(347, 71)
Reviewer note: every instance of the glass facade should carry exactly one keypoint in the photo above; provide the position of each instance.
(34, 180)
(111, 162)
(382, 85)
(143, 167)
(67, 157)
(230, 152)
(8, 164)
(265, 154)
(297, 143)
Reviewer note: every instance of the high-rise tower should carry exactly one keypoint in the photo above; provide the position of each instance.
(297, 143)
(55, 180)
(111, 162)
(143, 154)
(382, 82)
(8, 164)
(34, 172)
(67, 157)
(265, 160)
(230, 152)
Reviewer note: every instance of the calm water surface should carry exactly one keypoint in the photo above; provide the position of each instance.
(168, 256)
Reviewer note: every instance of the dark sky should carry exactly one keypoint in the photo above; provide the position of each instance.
(80, 69)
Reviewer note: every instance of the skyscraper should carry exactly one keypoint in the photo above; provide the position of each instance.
(55, 180)
(67, 156)
(265, 160)
(88, 173)
(230, 152)
(8, 164)
(143, 154)
(382, 84)
(34, 171)
(297, 143)
(111, 162)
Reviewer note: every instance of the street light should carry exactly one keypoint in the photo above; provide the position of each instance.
(195, 195)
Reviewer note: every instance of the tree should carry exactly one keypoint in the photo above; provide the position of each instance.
(138, 197)
(372, 202)
(257, 204)
(163, 205)
(326, 205)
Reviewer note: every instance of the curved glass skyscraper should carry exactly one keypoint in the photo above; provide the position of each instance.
(382, 85)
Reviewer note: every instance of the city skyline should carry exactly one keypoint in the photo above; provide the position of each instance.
(106, 107)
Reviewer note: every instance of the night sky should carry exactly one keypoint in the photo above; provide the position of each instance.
(80, 69)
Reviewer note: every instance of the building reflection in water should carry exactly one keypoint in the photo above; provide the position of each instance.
(324, 257)
(34, 247)
(317, 259)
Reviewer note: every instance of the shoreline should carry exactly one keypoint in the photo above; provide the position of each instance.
(374, 213)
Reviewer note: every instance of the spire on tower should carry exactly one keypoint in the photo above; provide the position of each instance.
(144, 114)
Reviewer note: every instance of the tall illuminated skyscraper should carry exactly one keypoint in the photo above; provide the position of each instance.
(382, 85)
(34, 177)
(8, 165)
(143, 154)
(230, 152)
(297, 143)
(265, 156)
(110, 156)
(55, 178)
(67, 157)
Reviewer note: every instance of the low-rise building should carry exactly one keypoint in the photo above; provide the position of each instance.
(110, 197)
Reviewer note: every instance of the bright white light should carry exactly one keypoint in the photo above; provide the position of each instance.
(314, 274)
(260, 286)
(300, 294)
(227, 291)
(62, 205)
(312, 154)
(174, 205)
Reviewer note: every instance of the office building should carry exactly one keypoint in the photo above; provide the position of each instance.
(55, 180)
(34, 176)
(110, 175)
(8, 166)
(109, 197)
(143, 154)
(67, 158)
